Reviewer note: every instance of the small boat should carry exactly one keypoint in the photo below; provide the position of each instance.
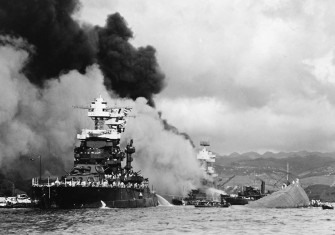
(315, 203)
(20, 201)
(327, 207)
(235, 200)
(207, 203)
(177, 202)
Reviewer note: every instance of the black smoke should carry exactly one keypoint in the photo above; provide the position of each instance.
(128, 71)
(173, 129)
(61, 44)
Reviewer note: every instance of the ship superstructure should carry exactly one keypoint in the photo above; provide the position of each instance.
(206, 160)
(98, 176)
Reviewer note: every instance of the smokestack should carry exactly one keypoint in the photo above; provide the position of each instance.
(263, 187)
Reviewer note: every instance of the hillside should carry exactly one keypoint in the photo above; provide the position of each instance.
(301, 164)
(311, 168)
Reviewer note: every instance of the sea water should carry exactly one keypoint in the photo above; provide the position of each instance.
(168, 220)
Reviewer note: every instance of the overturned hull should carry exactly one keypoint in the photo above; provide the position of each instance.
(93, 197)
(293, 196)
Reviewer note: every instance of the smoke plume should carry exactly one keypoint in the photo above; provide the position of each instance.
(168, 159)
(48, 63)
(60, 44)
(128, 71)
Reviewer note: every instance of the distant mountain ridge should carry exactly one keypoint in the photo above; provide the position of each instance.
(269, 154)
(309, 167)
(315, 159)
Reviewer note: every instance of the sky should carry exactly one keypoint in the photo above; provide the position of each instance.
(245, 75)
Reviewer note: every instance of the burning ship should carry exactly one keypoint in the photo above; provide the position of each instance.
(206, 161)
(98, 178)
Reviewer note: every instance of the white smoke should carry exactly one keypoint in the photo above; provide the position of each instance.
(36, 121)
(41, 121)
(169, 160)
(215, 193)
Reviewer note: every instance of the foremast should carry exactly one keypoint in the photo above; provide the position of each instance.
(206, 160)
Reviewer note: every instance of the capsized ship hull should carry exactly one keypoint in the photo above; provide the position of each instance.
(93, 197)
(293, 196)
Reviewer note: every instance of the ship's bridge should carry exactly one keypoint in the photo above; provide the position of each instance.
(206, 155)
(98, 108)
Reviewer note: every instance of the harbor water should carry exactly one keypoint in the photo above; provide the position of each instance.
(168, 220)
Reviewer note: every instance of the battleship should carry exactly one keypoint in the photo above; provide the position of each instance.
(98, 178)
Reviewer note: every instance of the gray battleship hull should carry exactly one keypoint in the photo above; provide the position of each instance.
(93, 197)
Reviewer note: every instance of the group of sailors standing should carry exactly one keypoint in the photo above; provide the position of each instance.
(110, 181)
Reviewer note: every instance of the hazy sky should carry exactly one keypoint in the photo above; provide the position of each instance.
(246, 75)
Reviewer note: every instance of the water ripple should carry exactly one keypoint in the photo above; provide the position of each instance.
(168, 220)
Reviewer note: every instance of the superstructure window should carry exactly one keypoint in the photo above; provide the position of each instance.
(96, 144)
